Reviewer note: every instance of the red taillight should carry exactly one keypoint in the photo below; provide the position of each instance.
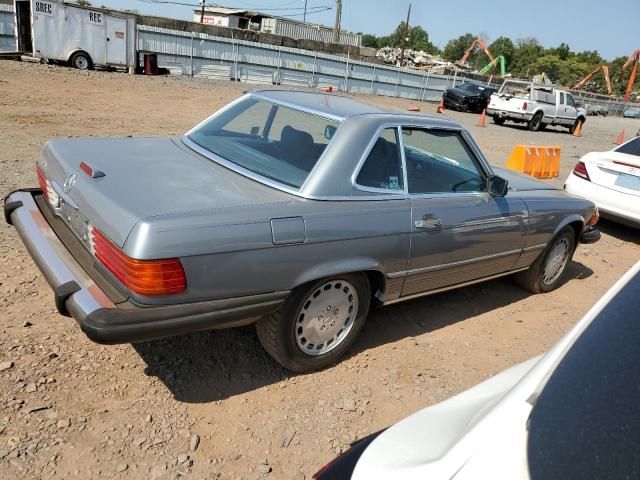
(581, 171)
(47, 189)
(524, 106)
(144, 277)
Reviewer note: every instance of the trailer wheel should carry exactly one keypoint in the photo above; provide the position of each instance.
(81, 61)
(498, 120)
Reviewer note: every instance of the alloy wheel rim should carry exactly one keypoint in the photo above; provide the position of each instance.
(556, 261)
(326, 317)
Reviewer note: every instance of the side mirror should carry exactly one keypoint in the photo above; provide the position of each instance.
(498, 186)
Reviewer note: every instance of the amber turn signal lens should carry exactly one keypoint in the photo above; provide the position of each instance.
(145, 277)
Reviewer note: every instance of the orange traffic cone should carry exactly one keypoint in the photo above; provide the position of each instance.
(414, 109)
(576, 132)
(328, 89)
(483, 118)
(620, 139)
(441, 106)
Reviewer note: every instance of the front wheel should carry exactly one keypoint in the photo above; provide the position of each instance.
(546, 273)
(574, 127)
(318, 323)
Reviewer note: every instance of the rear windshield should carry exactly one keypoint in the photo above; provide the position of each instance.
(632, 147)
(276, 142)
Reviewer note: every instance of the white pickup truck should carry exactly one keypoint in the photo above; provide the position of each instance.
(536, 105)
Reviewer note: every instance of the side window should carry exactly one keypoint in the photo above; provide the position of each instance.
(439, 161)
(383, 167)
(562, 98)
(570, 101)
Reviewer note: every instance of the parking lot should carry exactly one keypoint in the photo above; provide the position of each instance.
(214, 405)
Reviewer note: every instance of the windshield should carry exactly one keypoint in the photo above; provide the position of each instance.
(632, 147)
(276, 142)
(469, 87)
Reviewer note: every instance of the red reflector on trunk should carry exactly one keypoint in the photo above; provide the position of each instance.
(581, 171)
(144, 277)
(86, 169)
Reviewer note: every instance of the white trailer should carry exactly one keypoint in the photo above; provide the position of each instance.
(81, 36)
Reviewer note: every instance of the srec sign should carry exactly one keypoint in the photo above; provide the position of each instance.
(45, 8)
(95, 17)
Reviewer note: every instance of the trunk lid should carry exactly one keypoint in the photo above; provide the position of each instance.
(143, 177)
(614, 170)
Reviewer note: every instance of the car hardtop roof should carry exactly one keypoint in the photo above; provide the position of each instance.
(340, 107)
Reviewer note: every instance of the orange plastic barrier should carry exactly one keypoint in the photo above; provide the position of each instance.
(537, 161)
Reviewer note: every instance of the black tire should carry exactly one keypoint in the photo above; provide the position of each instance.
(574, 127)
(533, 279)
(535, 123)
(498, 120)
(277, 332)
(81, 61)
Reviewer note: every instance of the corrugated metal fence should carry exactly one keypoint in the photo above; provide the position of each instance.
(7, 35)
(204, 55)
(198, 54)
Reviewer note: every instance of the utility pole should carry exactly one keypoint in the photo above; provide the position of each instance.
(336, 29)
(202, 11)
(404, 36)
(304, 18)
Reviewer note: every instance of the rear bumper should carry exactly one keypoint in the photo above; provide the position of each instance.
(509, 115)
(76, 294)
(612, 204)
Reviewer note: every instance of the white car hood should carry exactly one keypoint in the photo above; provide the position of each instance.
(479, 433)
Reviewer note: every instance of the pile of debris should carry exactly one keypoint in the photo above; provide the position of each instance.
(412, 58)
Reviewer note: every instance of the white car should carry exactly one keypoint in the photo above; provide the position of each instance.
(611, 180)
(571, 413)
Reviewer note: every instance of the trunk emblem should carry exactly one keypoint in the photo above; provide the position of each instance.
(69, 182)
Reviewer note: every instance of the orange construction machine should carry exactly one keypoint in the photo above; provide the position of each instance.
(605, 72)
(633, 58)
(478, 42)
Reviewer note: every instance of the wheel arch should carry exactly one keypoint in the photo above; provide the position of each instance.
(576, 222)
(368, 267)
(74, 51)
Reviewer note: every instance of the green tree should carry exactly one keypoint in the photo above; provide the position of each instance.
(503, 46)
(417, 39)
(455, 48)
(527, 51)
(563, 51)
(369, 40)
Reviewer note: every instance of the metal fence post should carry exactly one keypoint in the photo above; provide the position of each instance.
(397, 81)
(346, 73)
(313, 71)
(373, 77)
(191, 56)
(426, 83)
(278, 81)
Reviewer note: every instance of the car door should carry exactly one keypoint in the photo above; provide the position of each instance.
(460, 232)
(570, 110)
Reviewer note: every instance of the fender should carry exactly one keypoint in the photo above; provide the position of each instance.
(73, 51)
(570, 219)
(337, 267)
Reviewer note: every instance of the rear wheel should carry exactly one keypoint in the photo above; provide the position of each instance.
(498, 120)
(535, 122)
(318, 323)
(546, 273)
(81, 61)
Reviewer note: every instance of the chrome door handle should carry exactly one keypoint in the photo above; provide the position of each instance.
(432, 223)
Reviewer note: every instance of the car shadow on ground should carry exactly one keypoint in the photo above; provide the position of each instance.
(209, 366)
(620, 231)
(523, 127)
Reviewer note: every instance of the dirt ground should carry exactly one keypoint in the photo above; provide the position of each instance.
(213, 405)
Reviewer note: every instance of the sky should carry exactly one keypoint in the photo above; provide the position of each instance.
(611, 27)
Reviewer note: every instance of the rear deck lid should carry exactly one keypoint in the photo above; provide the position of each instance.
(618, 169)
(136, 178)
